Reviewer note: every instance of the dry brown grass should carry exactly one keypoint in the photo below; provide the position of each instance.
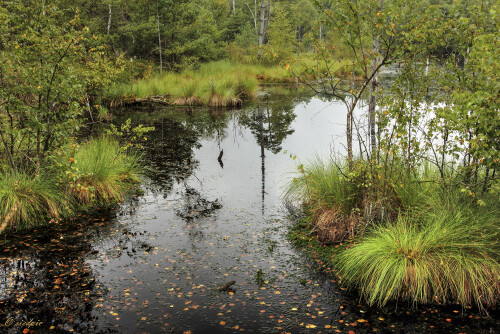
(332, 225)
(189, 101)
(217, 101)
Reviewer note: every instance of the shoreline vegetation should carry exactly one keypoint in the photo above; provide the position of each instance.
(94, 174)
(222, 83)
(421, 242)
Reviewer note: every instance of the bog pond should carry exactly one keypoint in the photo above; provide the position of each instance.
(154, 264)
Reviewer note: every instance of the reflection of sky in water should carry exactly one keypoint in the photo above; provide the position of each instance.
(239, 182)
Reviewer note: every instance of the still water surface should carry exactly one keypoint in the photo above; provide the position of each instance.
(154, 263)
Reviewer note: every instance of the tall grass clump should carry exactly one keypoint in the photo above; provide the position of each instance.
(100, 172)
(247, 87)
(323, 184)
(331, 199)
(446, 254)
(222, 93)
(26, 199)
(342, 199)
(220, 83)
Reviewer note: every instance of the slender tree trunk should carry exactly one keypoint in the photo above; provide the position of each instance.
(373, 98)
(234, 6)
(373, 102)
(159, 34)
(350, 111)
(267, 17)
(262, 27)
(253, 13)
(109, 18)
(9, 154)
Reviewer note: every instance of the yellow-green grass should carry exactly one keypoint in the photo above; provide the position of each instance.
(450, 254)
(97, 173)
(100, 172)
(433, 244)
(26, 199)
(219, 83)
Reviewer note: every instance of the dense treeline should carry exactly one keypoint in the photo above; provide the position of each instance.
(179, 33)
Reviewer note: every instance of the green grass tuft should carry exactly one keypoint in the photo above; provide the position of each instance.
(448, 254)
(101, 172)
(27, 199)
(322, 184)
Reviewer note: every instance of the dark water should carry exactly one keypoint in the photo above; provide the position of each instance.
(154, 264)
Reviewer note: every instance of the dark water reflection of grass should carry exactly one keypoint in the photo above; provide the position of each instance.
(154, 263)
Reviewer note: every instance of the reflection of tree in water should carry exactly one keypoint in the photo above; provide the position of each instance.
(171, 153)
(271, 124)
(193, 209)
(44, 276)
(170, 150)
